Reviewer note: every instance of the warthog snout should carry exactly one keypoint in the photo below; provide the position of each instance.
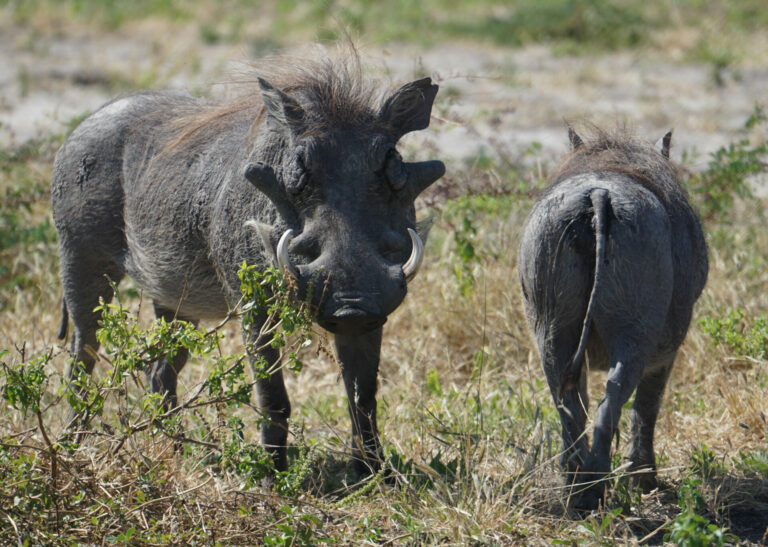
(410, 267)
(351, 315)
(354, 288)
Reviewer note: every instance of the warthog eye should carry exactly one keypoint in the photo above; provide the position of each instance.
(393, 169)
(301, 162)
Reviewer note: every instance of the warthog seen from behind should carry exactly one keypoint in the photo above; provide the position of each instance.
(302, 171)
(611, 261)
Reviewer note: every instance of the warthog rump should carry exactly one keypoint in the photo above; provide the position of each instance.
(611, 261)
(302, 171)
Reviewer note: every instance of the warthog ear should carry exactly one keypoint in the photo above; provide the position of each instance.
(576, 141)
(408, 109)
(284, 113)
(666, 141)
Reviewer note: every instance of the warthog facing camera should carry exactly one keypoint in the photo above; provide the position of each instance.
(177, 192)
(611, 261)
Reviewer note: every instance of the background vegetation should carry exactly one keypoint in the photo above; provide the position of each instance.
(470, 434)
(580, 24)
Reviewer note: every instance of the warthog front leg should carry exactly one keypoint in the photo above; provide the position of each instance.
(359, 356)
(274, 403)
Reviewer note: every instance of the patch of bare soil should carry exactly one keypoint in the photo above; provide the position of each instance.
(492, 100)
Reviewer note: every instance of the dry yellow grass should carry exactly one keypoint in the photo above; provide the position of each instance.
(491, 414)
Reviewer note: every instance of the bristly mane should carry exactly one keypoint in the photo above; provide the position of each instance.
(331, 89)
(619, 151)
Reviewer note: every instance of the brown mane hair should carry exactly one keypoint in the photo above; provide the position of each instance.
(331, 88)
(620, 151)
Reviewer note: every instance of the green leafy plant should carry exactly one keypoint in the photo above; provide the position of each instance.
(464, 214)
(599, 526)
(433, 383)
(690, 528)
(295, 528)
(753, 462)
(729, 168)
(271, 297)
(704, 463)
(25, 383)
(248, 460)
(737, 335)
(465, 253)
(130, 349)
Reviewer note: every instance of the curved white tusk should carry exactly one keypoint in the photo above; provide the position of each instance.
(283, 260)
(411, 267)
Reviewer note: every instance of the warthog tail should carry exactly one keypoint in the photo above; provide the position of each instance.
(572, 372)
(64, 320)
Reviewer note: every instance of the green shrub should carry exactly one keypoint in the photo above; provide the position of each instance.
(690, 528)
(726, 176)
(736, 335)
(704, 463)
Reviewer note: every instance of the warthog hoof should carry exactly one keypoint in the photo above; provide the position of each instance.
(364, 467)
(643, 477)
(587, 497)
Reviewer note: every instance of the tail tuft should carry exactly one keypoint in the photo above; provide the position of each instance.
(64, 320)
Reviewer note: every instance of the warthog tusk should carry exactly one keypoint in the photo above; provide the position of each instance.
(411, 267)
(283, 260)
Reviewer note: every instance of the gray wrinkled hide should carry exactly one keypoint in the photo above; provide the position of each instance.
(152, 185)
(654, 267)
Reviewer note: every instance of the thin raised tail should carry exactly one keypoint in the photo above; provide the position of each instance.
(572, 372)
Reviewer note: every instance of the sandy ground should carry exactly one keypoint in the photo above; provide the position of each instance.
(492, 98)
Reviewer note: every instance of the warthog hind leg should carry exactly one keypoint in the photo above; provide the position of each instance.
(645, 409)
(627, 366)
(163, 374)
(84, 283)
(557, 348)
